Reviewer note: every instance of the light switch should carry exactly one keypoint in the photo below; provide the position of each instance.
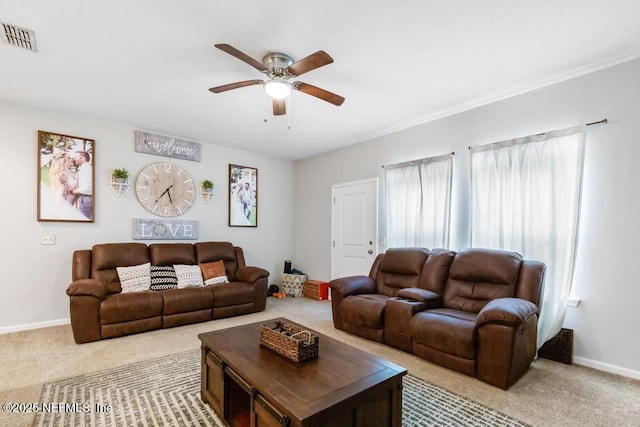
(48, 239)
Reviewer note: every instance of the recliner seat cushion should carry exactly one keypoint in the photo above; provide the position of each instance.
(187, 300)
(234, 293)
(364, 310)
(118, 308)
(448, 331)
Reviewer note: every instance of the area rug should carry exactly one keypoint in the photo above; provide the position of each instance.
(166, 392)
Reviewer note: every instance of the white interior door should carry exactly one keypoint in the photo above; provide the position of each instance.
(354, 219)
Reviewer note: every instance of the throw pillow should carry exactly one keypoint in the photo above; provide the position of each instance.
(189, 276)
(214, 273)
(163, 277)
(135, 278)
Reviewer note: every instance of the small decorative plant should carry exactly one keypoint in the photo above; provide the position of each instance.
(120, 173)
(120, 181)
(206, 191)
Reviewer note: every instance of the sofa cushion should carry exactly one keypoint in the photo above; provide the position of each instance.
(214, 251)
(400, 268)
(189, 276)
(172, 253)
(477, 276)
(163, 277)
(364, 310)
(214, 273)
(106, 257)
(234, 293)
(448, 331)
(187, 300)
(136, 278)
(118, 308)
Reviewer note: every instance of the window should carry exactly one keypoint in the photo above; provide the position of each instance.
(525, 197)
(418, 195)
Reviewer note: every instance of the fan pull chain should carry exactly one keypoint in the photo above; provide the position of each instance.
(289, 112)
(267, 100)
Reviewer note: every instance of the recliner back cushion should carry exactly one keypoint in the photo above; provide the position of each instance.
(106, 257)
(215, 251)
(477, 276)
(172, 253)
(400, 268)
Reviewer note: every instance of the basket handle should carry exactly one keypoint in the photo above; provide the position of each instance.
(304, 332)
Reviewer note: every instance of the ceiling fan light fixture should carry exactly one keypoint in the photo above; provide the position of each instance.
(277, 88)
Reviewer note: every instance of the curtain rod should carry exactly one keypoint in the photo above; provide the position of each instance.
(603, 121)
(453, 153)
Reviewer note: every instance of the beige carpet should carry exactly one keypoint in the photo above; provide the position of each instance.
(550, 394)
(166, 392)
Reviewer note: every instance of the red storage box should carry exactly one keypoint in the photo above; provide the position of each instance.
(316, 289)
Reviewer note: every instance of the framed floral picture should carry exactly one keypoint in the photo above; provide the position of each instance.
(65, 178)
(243, 196)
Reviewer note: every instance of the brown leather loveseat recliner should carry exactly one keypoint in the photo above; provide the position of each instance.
(474, 311)
(100, 310)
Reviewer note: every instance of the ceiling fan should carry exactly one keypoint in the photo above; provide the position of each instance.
(279, 69)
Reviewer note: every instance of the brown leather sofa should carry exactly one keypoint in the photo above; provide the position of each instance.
(100, 310)
(475, 311)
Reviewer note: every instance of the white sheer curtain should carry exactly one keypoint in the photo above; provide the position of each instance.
(418, 201)
(526, 198)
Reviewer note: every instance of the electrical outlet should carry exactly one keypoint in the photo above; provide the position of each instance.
(48, 239)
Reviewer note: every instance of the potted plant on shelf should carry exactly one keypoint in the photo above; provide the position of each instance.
(206, 191)
(120, 175)
(120, 181)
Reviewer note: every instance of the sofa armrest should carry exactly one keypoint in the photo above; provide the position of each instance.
(507, 311)
(251, 274)
(353, 285)
(418, 294)
(86, 288)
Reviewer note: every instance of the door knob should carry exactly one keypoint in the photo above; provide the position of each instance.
(370, 251)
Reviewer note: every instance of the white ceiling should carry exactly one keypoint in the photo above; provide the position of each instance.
(149, 63)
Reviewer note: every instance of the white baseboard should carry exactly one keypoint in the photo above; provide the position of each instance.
(606, 367)
(37, 325)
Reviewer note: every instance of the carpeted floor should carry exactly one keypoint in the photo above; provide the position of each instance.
(550, 394)
(166, 392)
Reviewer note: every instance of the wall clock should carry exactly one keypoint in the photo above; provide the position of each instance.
(165, 189)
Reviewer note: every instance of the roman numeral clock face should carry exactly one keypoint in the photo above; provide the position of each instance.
(165, 189)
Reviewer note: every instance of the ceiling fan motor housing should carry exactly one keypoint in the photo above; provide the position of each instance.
(277, 63)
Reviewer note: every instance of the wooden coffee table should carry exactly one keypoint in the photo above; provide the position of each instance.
(249, 385)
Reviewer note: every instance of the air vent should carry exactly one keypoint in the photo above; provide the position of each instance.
(19, 37)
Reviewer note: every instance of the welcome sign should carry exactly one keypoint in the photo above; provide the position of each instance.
(167, 146)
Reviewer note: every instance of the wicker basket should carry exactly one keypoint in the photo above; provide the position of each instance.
(292, 342)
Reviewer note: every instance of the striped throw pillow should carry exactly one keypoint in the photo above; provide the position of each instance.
(163, 277)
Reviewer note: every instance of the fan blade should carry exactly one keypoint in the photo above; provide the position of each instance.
(325, 95)
(279, 107)
(311, 62)
(235, 85)
(242, 56)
